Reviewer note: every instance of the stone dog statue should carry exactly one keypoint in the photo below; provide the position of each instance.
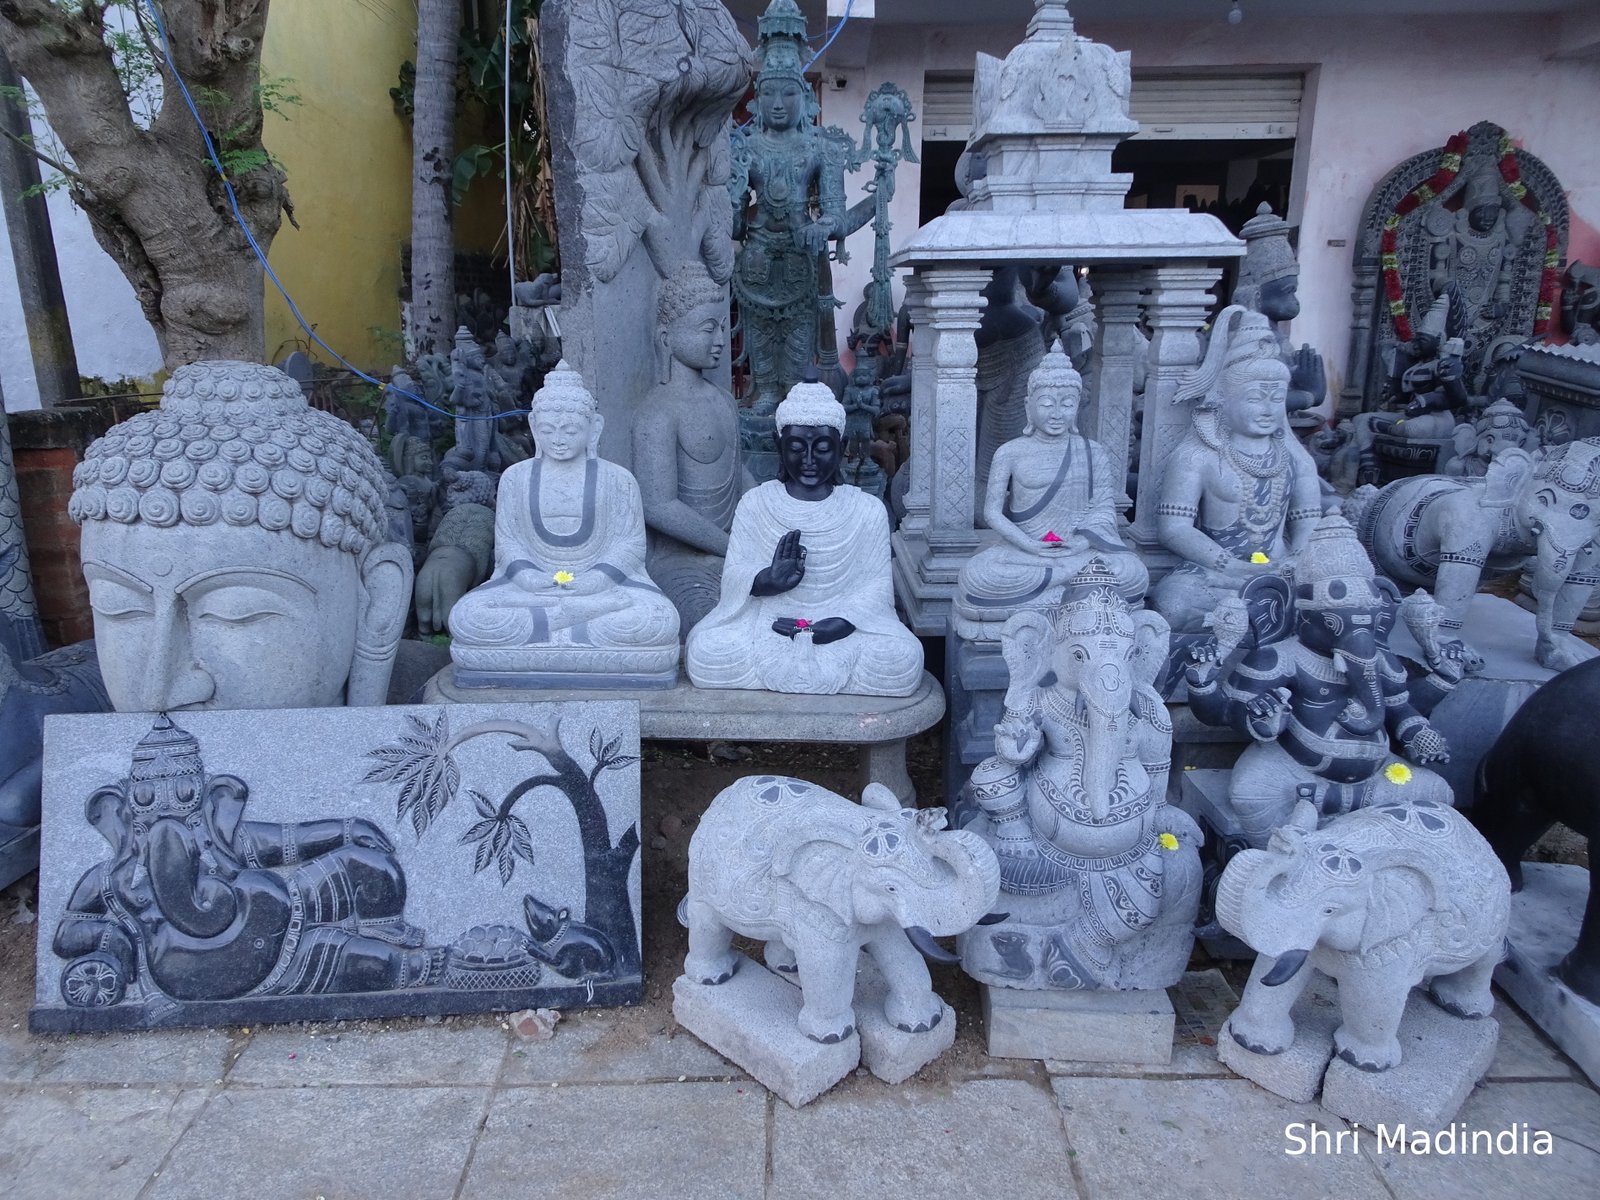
(819, 879)
(1380, 899)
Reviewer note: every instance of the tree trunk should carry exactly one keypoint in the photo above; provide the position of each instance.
(33, 249)
(152, 196)
(433, 288)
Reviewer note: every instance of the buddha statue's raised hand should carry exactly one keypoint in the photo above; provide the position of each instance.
(788, 567)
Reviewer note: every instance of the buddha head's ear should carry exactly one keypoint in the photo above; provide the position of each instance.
(597, 425)
(663, 348)
(386, 578)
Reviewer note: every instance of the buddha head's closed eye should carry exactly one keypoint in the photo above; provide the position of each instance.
(235, 546)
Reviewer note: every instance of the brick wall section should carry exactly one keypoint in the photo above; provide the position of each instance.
(46, 445)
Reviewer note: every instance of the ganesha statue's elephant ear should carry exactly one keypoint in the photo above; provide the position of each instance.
(1269, 599)
(1152, 642)
(1027, 641)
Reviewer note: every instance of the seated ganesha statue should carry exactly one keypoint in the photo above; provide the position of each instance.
(569, 602)
(807, 600)
(1100, 878)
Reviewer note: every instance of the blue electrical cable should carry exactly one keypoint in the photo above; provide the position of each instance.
(238, 216)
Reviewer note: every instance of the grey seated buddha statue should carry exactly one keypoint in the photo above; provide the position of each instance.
(807, 599)
(1051, 496)
(569, 603)
(236, 548)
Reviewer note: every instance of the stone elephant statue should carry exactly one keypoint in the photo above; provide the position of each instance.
(1380, 899)
(1540, 770)
(819, 879)
(1442, 533)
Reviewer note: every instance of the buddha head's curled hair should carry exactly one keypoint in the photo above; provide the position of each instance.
(236, 443)
(689, 287)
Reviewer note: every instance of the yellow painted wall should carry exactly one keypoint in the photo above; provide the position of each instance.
(348, 156)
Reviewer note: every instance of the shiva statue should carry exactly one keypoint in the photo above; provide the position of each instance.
(569, 602)
(1100, 878)
(686, 454)
(1051, 497)
(1239, 497)
(1301, 665)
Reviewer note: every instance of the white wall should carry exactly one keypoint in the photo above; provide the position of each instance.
(1379, 91)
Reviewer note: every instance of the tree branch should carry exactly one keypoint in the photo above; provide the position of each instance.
(47, 159)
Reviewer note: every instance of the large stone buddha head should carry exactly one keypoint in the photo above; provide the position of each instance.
(691, 321)
(235, 547)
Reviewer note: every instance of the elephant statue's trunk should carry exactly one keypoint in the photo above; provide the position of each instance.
(1357, 660)
(969, 886)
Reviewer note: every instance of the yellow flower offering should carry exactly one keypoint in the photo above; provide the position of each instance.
(1397, 773)
(563, 577)
(1258, 558)
(1168, 842)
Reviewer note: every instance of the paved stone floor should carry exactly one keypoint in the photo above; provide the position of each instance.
(624, 1104)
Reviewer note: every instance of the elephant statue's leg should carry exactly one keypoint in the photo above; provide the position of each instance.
(1262, 1023)
(779, 957)
(1466, 993)
(828, 985)
(1372, 1004)
(911, 1005)
(711, 958)
(1580, 969)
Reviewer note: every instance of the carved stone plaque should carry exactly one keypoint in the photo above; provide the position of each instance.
(223, 868)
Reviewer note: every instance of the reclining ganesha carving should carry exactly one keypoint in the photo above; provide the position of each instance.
(197, 903)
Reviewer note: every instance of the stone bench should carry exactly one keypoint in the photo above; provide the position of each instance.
(880, 725)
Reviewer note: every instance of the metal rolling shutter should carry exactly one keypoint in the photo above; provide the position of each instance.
(1169, 106)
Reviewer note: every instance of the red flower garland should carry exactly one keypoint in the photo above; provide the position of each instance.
(1449, 168)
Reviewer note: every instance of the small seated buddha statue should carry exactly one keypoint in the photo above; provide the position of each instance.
(569, 603)
(807, 600)
(1051, 496)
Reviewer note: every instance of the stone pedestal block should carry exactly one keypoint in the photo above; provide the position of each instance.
(752, 1021)
(1088, 1026)
(1545, 916)
(1445, 1056)
(1297, 1073)
(891, 1054)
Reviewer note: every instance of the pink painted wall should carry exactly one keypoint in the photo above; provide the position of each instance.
(1378, 91)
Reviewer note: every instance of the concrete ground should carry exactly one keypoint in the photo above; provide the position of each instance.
(624, 1104)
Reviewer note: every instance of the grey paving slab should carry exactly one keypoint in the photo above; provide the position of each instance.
(1570, 1112)
(986, 1137)
(1201, 1139)
(687, 1141)
(199, 1057)
(1524, 1052)
(344, 1143)
(617, 1046)
(89, 1142)
(430, 1055)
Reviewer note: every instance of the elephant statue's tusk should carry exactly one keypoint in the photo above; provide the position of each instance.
(1286, 968)
(931, 950)
(992, 918)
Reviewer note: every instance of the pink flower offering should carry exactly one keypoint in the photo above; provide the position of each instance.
(801, 623)
(1050, 537)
